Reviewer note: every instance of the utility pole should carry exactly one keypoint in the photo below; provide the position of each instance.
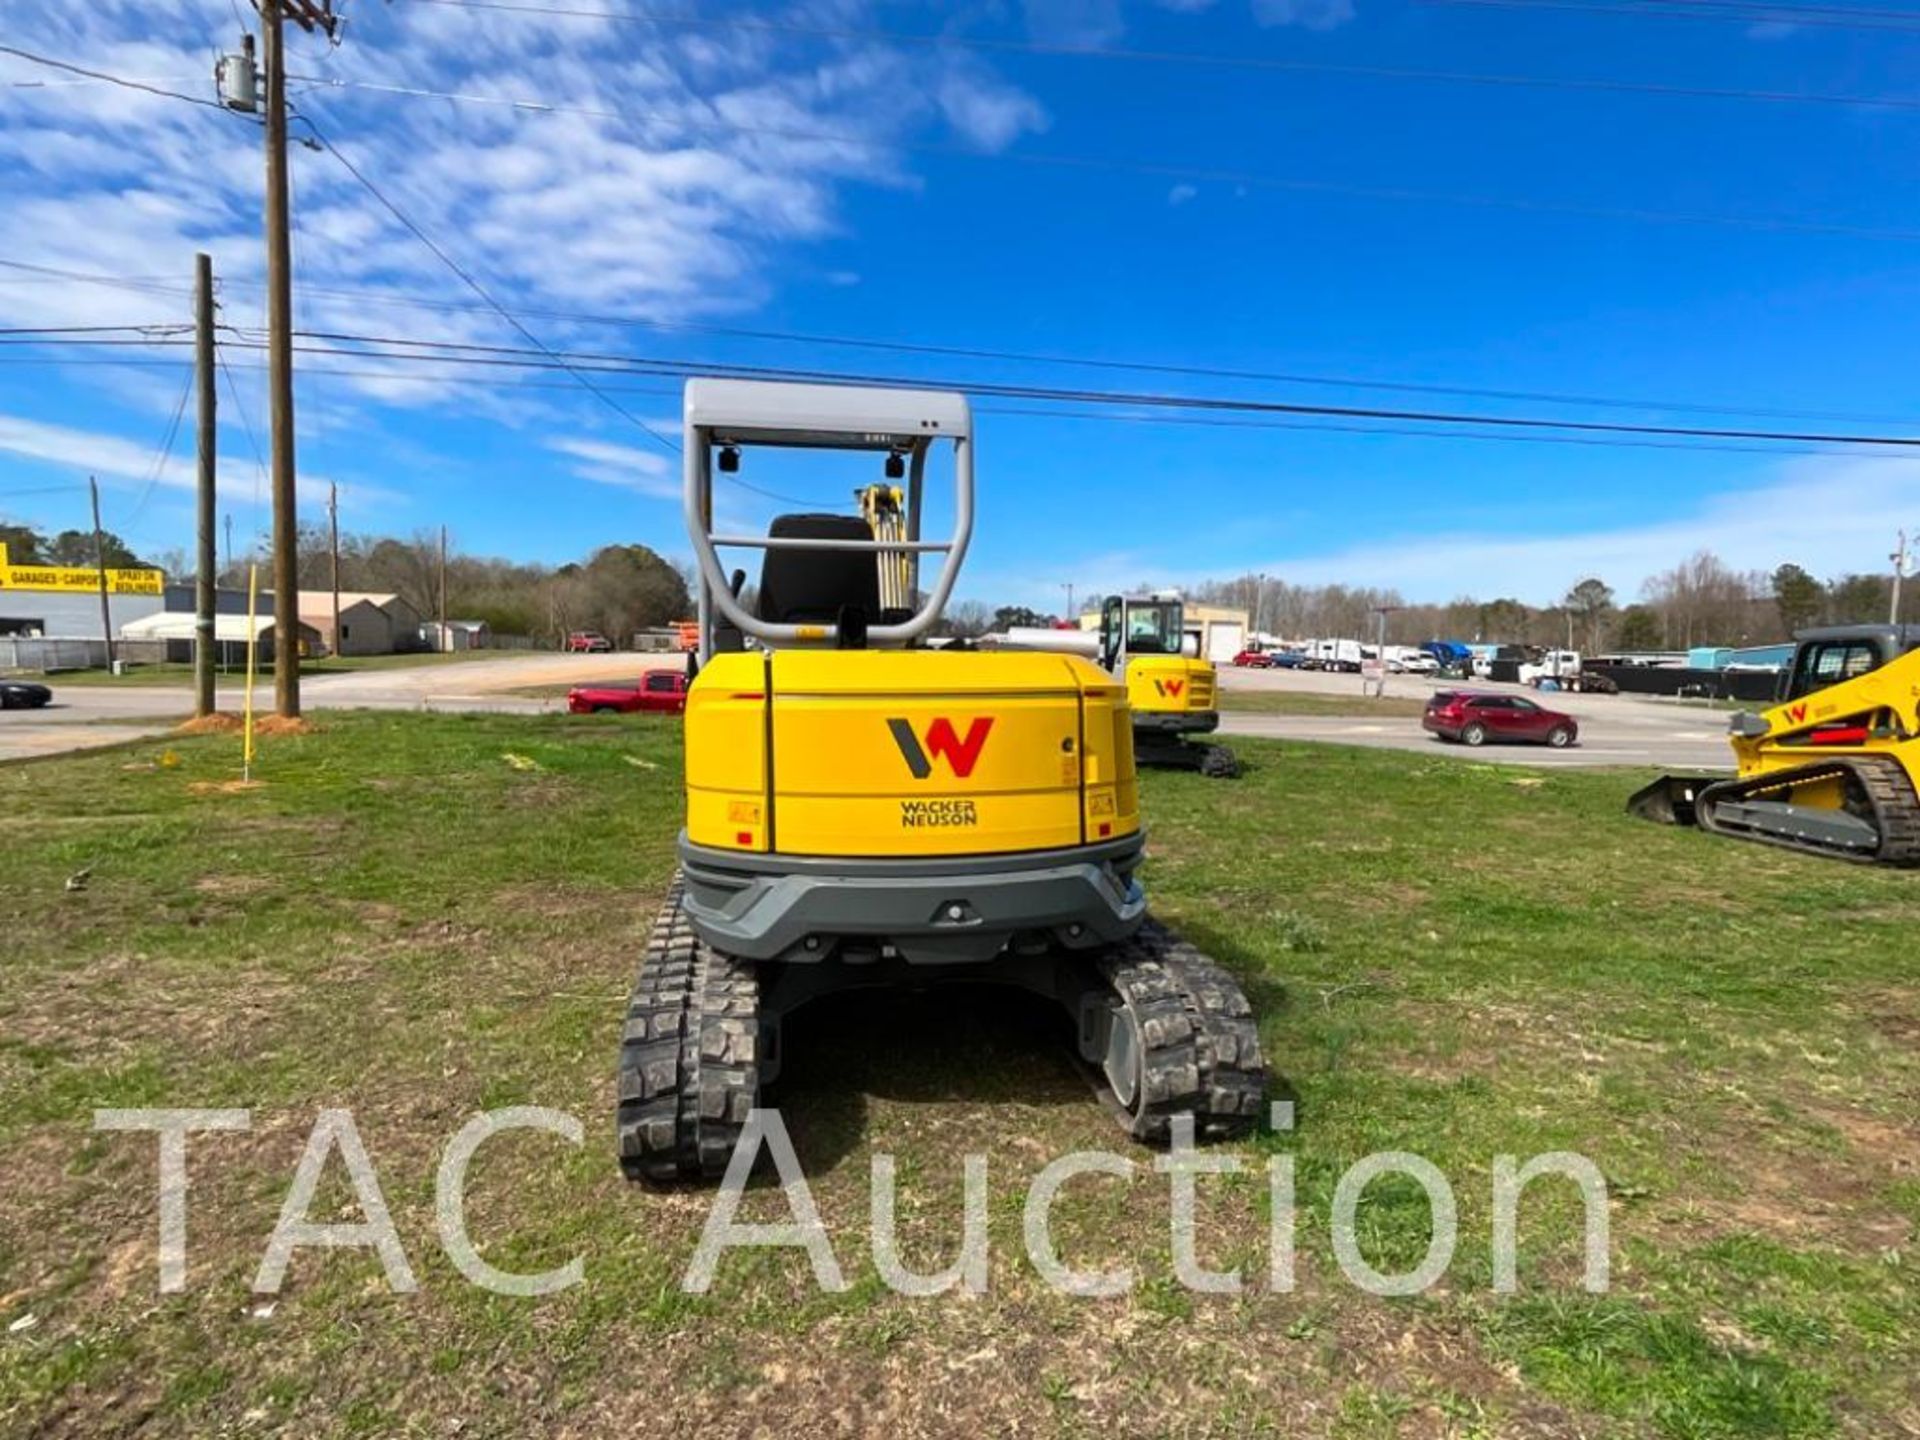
(286, 582)
(229, 565)
(203, 633)
(1899, 558)
(333, 548)
(1072, 614)
(1380, 648)
(100, 568)
(237, 92)
(445, 643)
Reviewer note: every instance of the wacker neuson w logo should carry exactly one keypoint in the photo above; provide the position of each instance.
(942, 743)
(1170, 688)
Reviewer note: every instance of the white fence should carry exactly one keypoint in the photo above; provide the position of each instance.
(34, 654)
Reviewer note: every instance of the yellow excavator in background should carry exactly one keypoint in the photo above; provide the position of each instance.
(1173, 695)
(1833, 768)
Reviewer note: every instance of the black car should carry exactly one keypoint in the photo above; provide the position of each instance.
(23, 695)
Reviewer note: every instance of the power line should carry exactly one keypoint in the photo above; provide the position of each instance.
(1187, 172)
(1831, 17)
(908, 347)
(165, 453)
(37, 273)
(149, 330)
(1614, 402)
(475, 286)
(1095, 415)
(475, 354)
(253, 443)
(122, 81)
(1167, 57)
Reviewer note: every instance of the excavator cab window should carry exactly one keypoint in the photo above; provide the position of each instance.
(1154, 628)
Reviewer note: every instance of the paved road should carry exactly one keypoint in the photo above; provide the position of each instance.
(1615, 729)
(86, 716)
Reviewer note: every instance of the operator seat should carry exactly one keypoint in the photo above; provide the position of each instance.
(821, 587)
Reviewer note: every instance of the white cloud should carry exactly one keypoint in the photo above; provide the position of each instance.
(989, 113)
(88, 452)
(1832, 514)
(1307, 14)
(130, 464)
(1084, 23)
(1181, 194)
(626, 467)
(696, 167)
(1829, 514)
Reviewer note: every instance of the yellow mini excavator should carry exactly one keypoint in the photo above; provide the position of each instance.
(1833, 768)
(1172, 694)
(862, 810)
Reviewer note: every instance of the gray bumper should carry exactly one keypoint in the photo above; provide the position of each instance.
(1199, 723)
(933, 910)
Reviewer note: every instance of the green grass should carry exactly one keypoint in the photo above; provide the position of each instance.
(1314, 702)
(420, 916)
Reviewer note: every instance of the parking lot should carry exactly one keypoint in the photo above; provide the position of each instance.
(1614, 729)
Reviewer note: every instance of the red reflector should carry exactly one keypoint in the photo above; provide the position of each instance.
(1839, 735)
(1105, 828)
(747, 695)
(745, 837)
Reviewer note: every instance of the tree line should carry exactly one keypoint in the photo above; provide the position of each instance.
(1700, 601)
(617, 590)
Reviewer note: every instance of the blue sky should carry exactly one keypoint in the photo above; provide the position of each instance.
(1354, 227)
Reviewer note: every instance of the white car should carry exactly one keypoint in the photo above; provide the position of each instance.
(1419, 665)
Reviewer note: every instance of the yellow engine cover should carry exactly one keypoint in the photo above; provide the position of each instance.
(878, 753)
(1170, 685)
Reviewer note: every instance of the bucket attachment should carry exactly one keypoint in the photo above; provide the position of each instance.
(1670, 799)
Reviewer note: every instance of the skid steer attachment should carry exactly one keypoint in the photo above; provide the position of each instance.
(1670, 800)
(863, 811)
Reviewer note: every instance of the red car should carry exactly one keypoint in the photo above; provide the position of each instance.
(587, 642)
(1254, 659)
(1474, 718)
(663, 692)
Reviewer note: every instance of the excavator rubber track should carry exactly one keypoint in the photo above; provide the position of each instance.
(1198, 1049)
(690, 1052)
(1172, 752)
(1880, 798)
(689, 1055)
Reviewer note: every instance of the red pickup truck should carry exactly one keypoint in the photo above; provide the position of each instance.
(661, 691)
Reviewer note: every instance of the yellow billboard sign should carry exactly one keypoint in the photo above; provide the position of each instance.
(70, 578)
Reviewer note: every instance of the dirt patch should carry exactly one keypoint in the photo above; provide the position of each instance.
(284, 725)
(232, 886)
(223, 787)
(221, 722)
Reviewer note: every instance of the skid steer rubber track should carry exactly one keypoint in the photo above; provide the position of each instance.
(1879, 793)
(688, 1055)
(1190, 1045)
